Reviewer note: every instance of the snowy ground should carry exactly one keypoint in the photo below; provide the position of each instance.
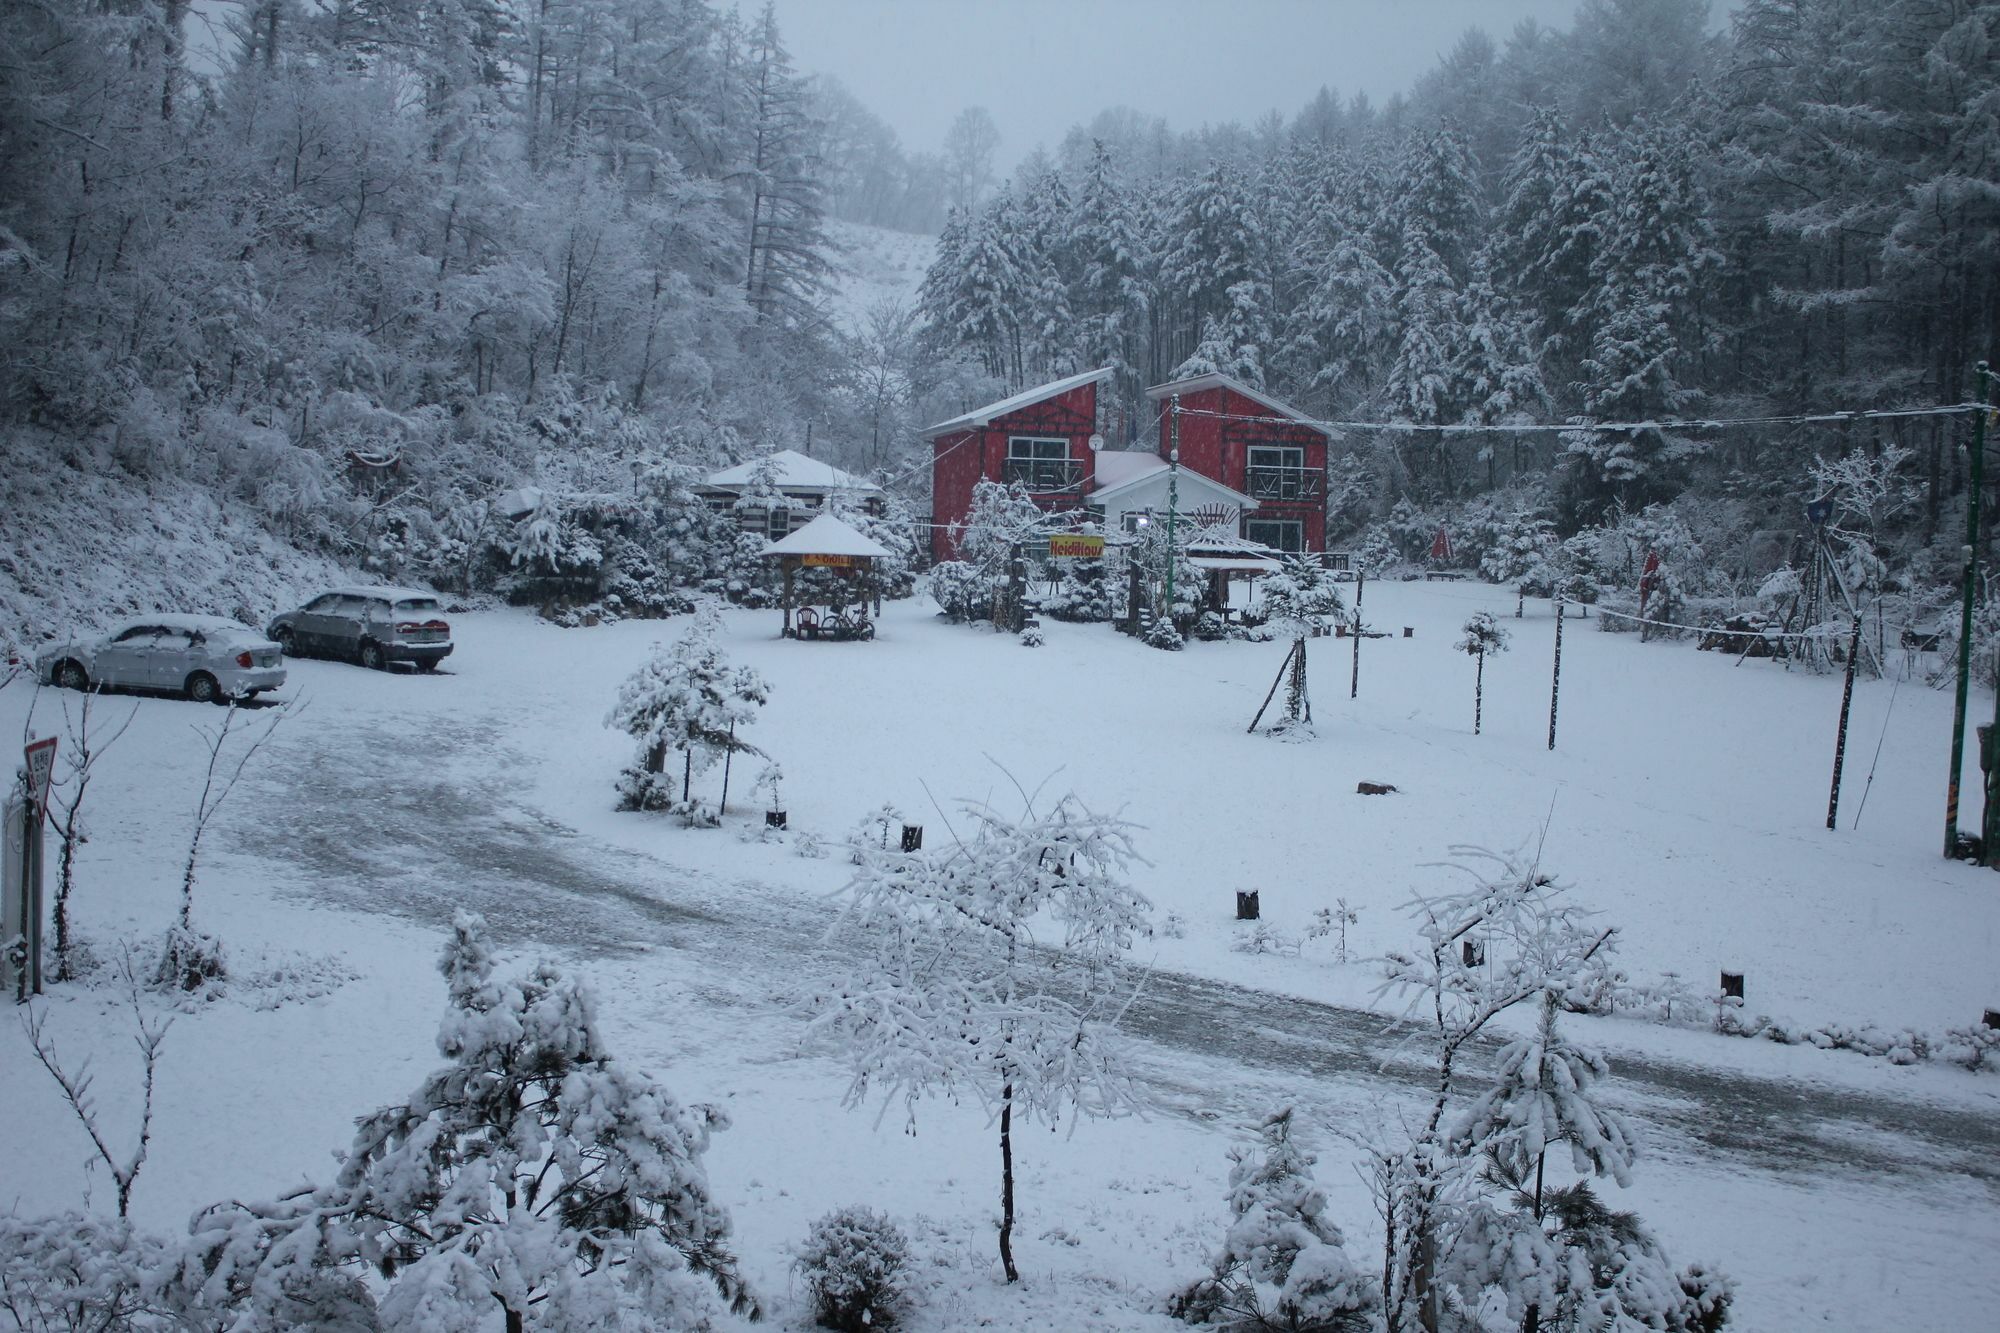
(1685, 799)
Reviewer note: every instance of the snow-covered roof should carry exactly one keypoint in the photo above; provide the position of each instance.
(793, 471)
(1240, 564)
(1126, 470)
(1221, 541)
(1215, 379)
(985, 416)
(827, 535)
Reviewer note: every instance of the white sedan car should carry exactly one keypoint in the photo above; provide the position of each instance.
(204, 658)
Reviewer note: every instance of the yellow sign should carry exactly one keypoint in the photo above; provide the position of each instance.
(815, 560)
(1076, 546)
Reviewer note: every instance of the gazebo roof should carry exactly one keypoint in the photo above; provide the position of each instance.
(827, 535)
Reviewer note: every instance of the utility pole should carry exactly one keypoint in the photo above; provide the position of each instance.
(1173, 503)
(1981, 376)
(1360, 582)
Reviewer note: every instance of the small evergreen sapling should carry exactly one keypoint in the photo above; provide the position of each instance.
(685, 697)
(1483, 635)
(532, 1174)
(1297, 602)
(1283, 1264)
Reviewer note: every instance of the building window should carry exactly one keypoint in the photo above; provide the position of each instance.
(1280, 534)
(1042, 464)
(1278, 472)
(1135, 520)
(777, 523)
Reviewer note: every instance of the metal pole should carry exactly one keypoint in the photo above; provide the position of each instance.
(1173, 501)
(1980, 375)
(1556, 681)
(1360, 581)
(1840, 739)
(1989, 822)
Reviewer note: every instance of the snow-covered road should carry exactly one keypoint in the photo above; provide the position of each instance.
(419, 817)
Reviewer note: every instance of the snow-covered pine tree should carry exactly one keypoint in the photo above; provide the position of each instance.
(1482, 635)
(1297, 602)
(684, 697)
(1652, 276)
(1112, 294)
(533, 1175)
(1218, 267)
(1528, 941)
(1498, 377)
(1420, 384)
(1556, 1257)
(957, 996)
(1283, 1264)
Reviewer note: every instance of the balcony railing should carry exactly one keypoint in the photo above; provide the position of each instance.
(1043, 475)
(1284, 483)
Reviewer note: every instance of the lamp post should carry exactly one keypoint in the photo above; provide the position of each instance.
(1173, 499)
(638, 466)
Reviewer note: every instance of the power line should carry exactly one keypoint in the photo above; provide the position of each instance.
(1844, 417)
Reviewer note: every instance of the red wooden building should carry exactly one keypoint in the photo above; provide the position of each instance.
(1039, 437)
(1251, 442)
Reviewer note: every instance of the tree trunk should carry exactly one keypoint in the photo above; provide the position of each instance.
(1007, 1182)
(687, 772)
(1478, 689)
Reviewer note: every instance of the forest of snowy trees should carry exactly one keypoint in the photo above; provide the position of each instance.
(494, 244)
(582, 246)
(1637, 219)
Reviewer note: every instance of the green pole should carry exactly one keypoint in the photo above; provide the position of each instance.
(1980, 375)
(1173, 502)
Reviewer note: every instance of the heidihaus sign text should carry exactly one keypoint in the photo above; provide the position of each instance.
(1076, 546)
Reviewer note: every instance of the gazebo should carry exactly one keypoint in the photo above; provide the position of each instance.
(828, 543)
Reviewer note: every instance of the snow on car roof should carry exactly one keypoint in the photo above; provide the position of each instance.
(393, 594)
(206, 624)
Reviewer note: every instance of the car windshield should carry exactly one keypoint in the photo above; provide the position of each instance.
(423, 605)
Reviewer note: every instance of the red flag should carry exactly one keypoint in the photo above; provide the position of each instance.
(1441, 544)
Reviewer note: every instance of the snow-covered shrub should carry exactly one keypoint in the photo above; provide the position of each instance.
(854, 1262)
(1263, 937)
(1031, 637)
(1082, 594)
(1162, 634)
(532, 1172)
(190, 961)
(1974, 1048)
(76, 1271)
(808, 844)
(1283, 1264)
(1521, 546)
(962, 593)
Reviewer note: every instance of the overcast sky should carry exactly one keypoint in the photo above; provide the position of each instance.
(1041, 66)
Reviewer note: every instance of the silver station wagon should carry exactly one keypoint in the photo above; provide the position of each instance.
(372, 626)
(205, 658)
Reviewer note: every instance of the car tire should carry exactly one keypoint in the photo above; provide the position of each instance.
(203, 689)
(371, 657)
(427, 664)
(288, 642)
(70, 675)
